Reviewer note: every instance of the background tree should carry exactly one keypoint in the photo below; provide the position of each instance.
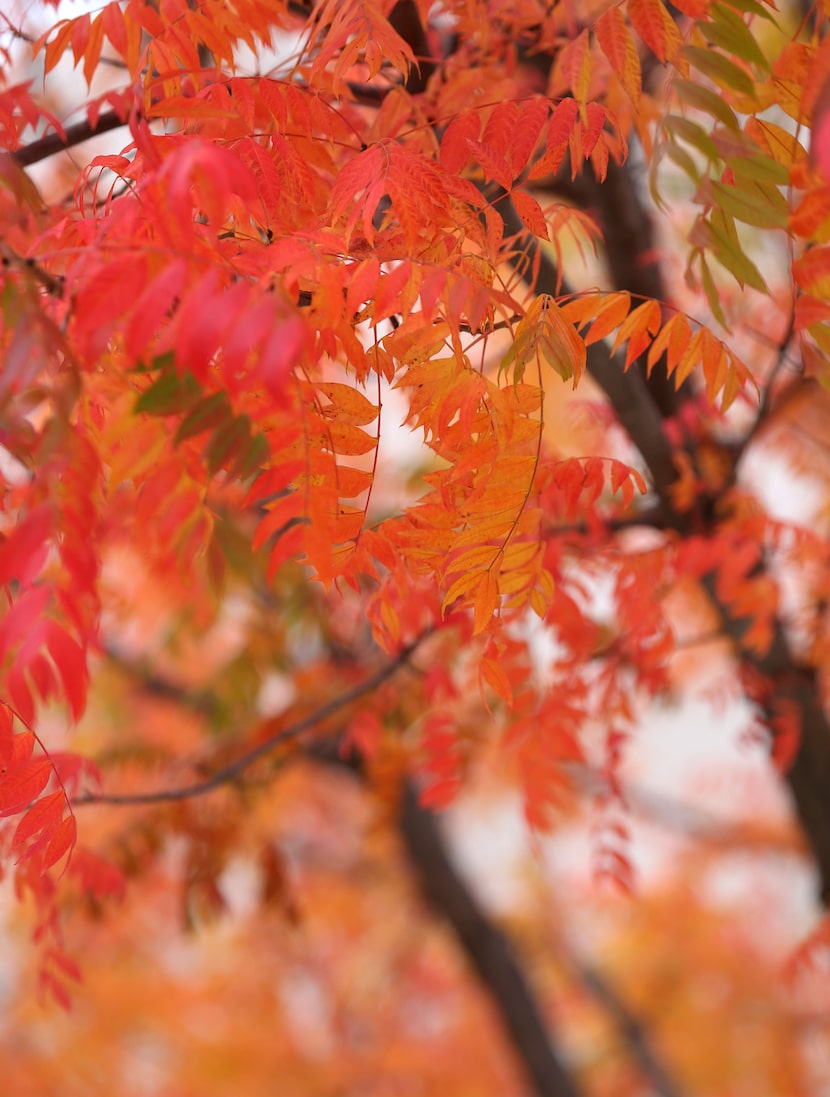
(305, 224)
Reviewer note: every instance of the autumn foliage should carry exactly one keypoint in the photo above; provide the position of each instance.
(307, 233)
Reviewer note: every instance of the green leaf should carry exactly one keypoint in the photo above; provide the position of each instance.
(753, 204)
(236, 449)
(711, 291)
(694, 95)
(207, 414)
(228, 446)
(758, 169)
(170, 393)
(754, 8)
(821, 334)
(684, 161)
(254, 459)
(728, 252)
(720, 69)
(160, 362)
(730, 32)
(692, 134)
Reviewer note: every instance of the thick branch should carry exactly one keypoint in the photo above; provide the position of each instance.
(639, 414)
(809, 775)
(630, 252)
(406, 20)
(627, 393)
(75, 134)
(487, 949)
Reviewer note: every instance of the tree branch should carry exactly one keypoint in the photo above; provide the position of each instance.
(76, 134)
(487, 949)
(809, 775)
(630, 253)
(631, 1029)
(626, 391)
(227, 774)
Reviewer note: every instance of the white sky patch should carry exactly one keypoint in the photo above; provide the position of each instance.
(490, 842)
(401, 454)
(787, 495)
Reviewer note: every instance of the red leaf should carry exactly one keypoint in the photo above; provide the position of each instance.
(531, 213)
(45, 814)
(21, 786)
(280, 353)
(70, 661)
(820, 139)
(656, 27)
(97, 877)
(455, 148)
(526, 133)
(7, 736)
(495, 166)
(62, 842)
(23, 553)
(561, 123)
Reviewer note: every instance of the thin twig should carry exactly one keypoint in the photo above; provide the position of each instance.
(632, 1030)
(767, 396)
(230, 772)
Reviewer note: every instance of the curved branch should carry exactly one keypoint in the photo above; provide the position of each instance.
(227, 774)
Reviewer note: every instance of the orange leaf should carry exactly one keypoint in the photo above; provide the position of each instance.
(576, 67)
(531, 213)
(656, 27)
(486, 602)
(812, 271)
(638, 330)
(492, 672)
(604, 311)
(455, 142)
(347, 403)
(616, 43)
(526, 133)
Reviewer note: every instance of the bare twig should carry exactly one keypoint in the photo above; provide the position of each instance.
(768, 395)
(632, 1030)
(229, 773)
